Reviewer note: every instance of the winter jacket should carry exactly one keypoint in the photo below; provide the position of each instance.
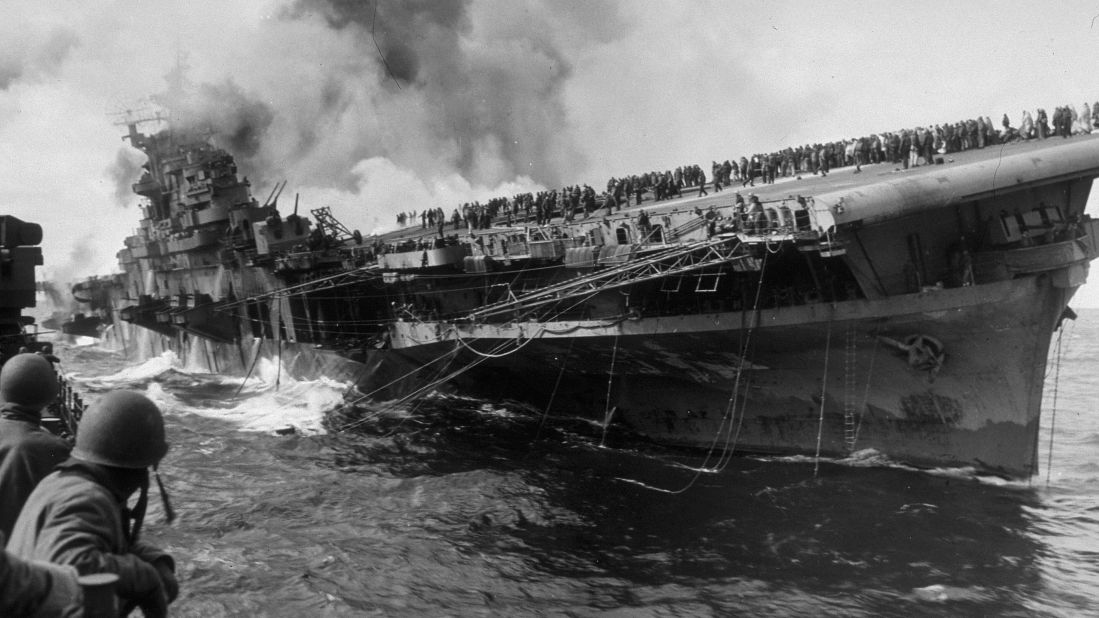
(27, 454)
(34, 589)
(76, 517)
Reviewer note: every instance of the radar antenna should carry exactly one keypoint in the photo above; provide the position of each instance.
(131, 116)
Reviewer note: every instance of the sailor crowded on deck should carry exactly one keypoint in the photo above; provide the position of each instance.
(902, 148)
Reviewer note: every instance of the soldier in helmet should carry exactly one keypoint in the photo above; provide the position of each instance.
(27, 452)
(79, 515)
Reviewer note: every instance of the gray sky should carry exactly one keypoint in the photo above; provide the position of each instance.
(484, 98)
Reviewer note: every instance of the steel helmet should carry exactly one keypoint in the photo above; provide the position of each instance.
(29, 380)
(123, 429)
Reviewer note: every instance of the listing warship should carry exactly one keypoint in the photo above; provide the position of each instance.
(908, 311)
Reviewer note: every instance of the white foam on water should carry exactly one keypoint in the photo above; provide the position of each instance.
(270, 400)
(871, 458)
(934, 592)
(147, 370)
(940, 593)
(80, 341)
(867, 457)
(969, 473)
(273, 403)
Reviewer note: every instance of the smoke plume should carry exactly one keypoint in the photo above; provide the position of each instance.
(123, 172)
(34, 54)
(436, 88)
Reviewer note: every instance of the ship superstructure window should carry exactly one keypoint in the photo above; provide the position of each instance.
(656, 234)
(517, 244)
(670, 285)
(1042, 218)
(1011, 226)
(708, 281)
(1029, 226)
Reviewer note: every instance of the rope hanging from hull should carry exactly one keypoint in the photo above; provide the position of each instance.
(493, 354)
(730, 444)
(460, 343)
(823, 395)
(608, 411)
(553, 393)
(403, 376)
(729, 434)
(1053, 413)
(255, 359)
(278, 369)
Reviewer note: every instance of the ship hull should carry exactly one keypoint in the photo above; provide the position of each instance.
(817, 379)
(826, 379)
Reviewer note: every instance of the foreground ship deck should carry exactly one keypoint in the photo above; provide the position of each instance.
(908, 311)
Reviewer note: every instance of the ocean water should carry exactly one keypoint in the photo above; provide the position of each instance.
(469, 508)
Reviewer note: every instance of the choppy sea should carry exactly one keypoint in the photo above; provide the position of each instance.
(470, 508)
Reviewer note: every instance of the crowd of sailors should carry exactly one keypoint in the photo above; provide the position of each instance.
(903, 148)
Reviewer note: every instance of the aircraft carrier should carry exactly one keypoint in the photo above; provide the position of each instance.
(905, 310)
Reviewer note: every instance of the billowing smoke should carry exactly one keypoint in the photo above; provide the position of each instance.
(370, 108)
(435, 88)
(124, 171)
(222, 113)
(40, 54)
(10, 70)
(430, 26)
(490, 100)
(63, 273)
